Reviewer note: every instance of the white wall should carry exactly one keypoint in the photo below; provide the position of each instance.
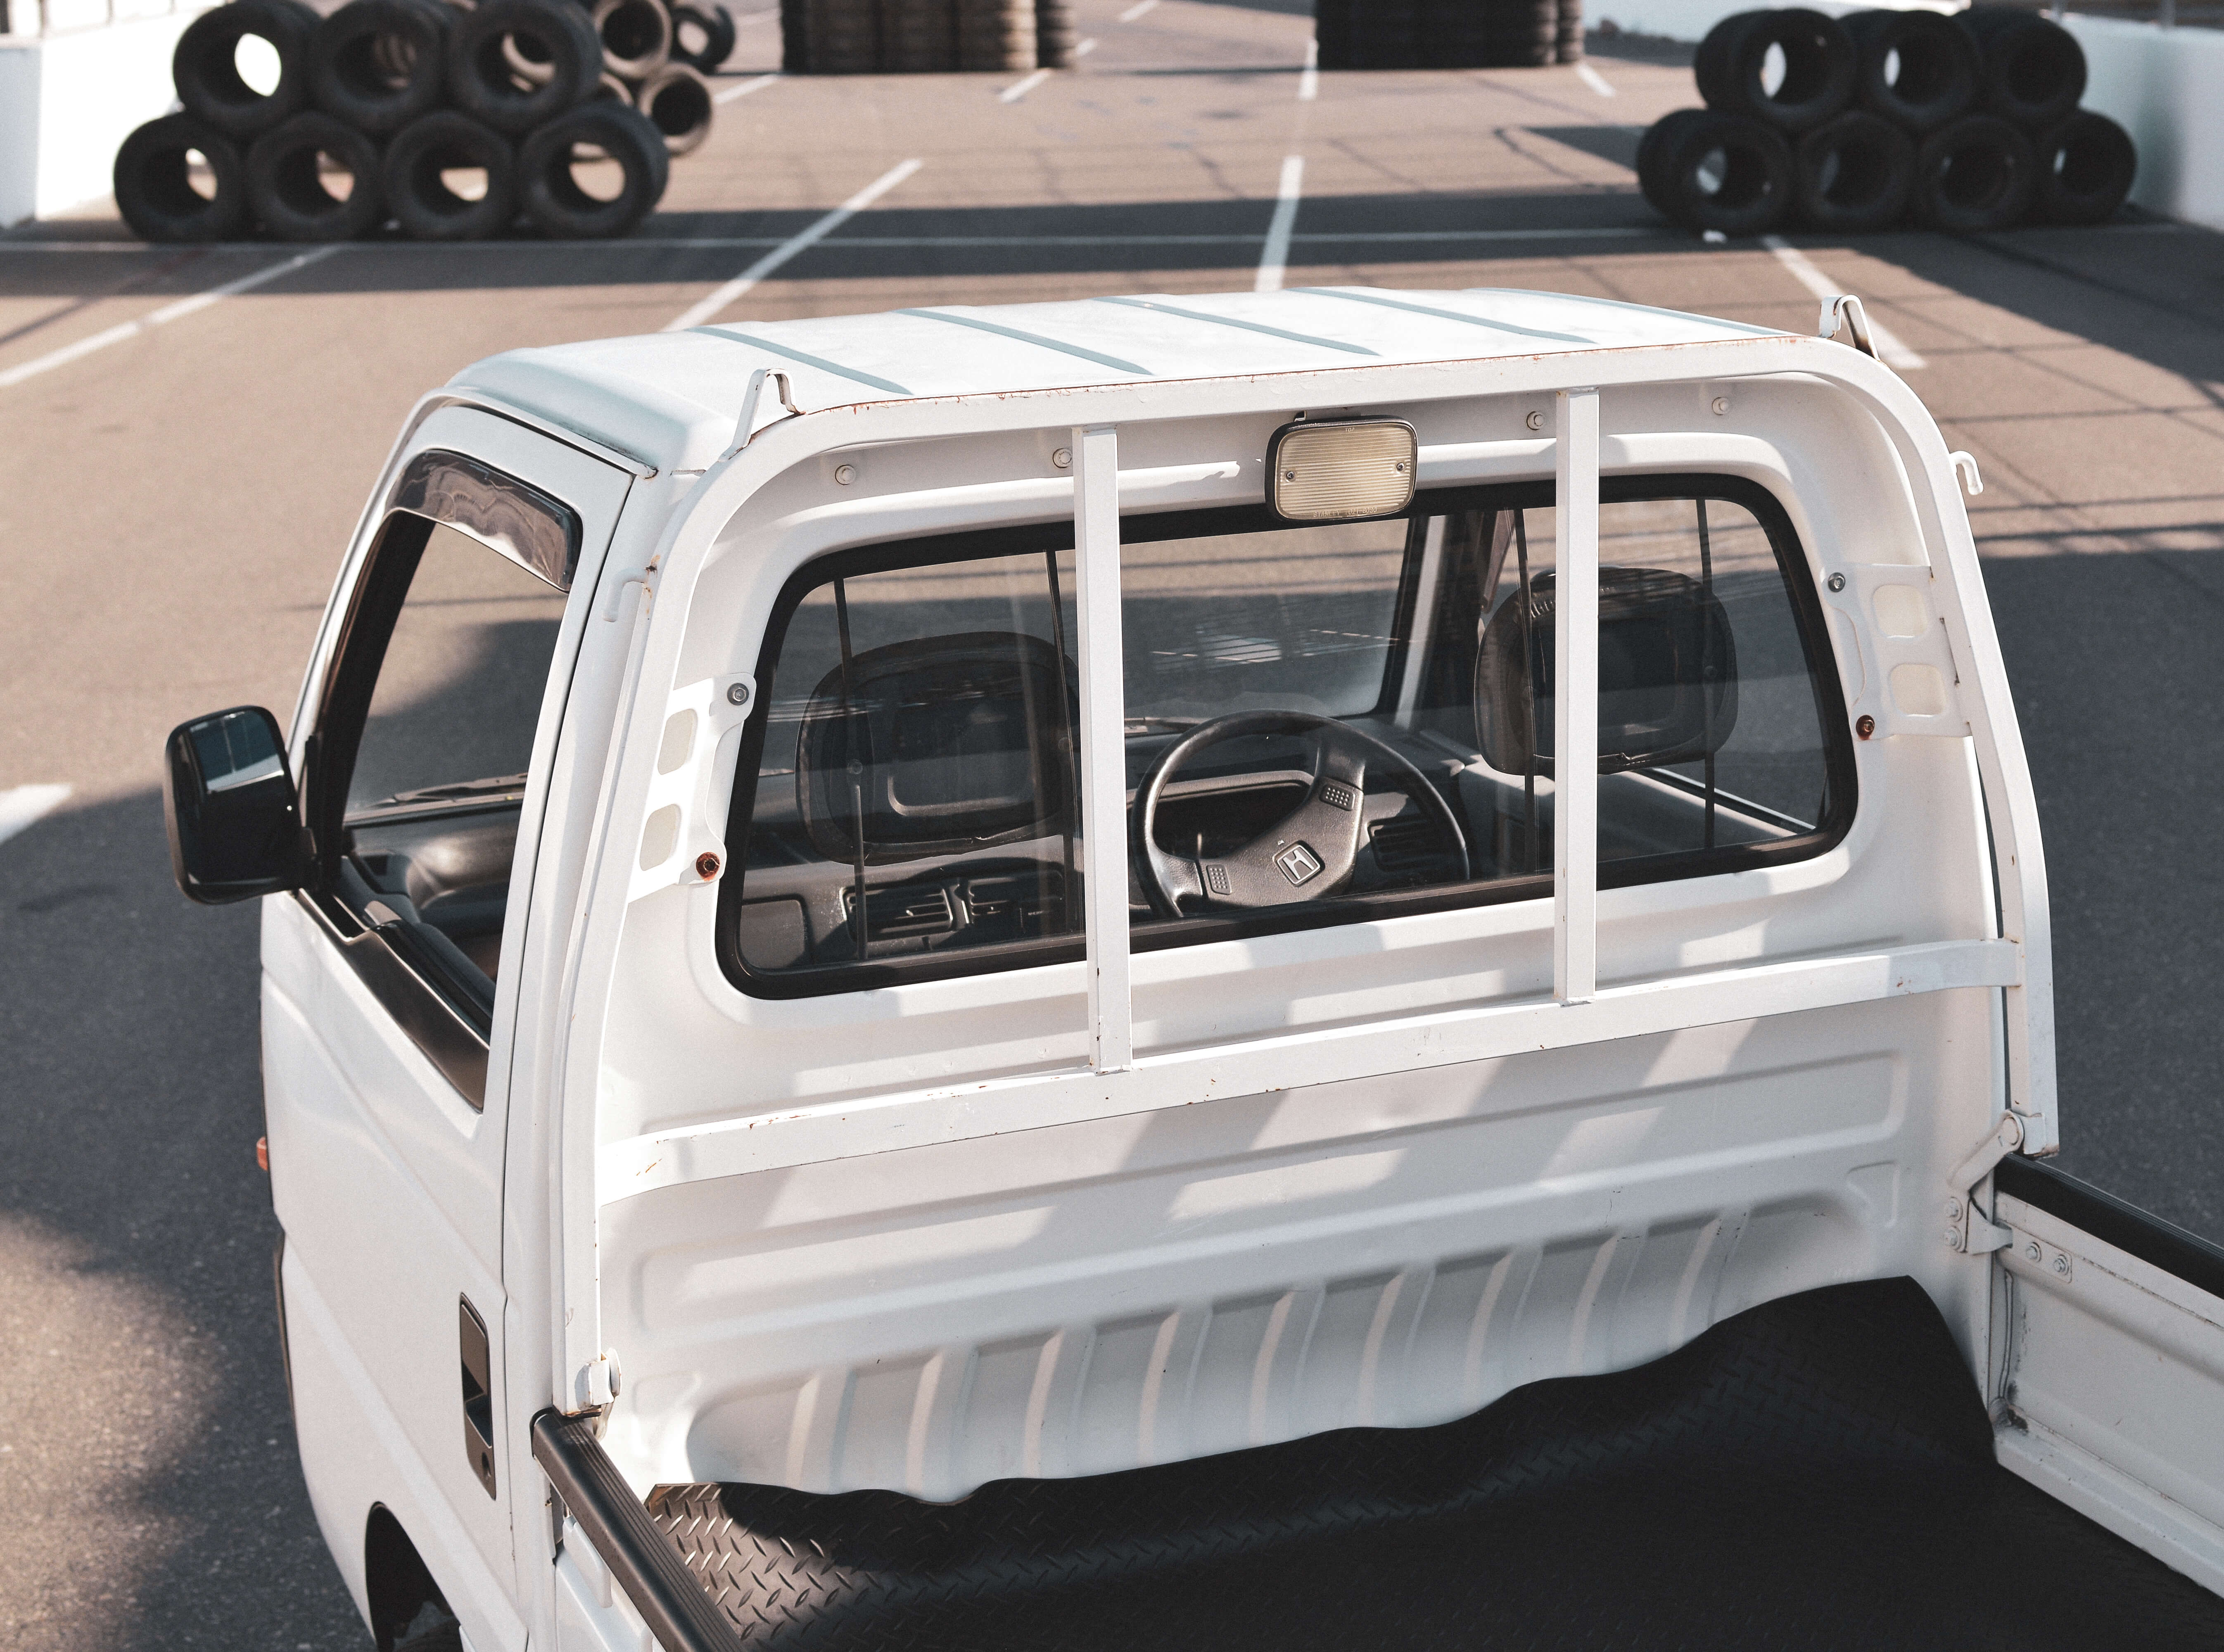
(1690, 19)
(2164, 87)
(67, 102)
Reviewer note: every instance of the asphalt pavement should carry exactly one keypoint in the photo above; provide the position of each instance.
(186, 436)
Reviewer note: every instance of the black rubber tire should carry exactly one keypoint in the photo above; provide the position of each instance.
(481, 82)
(1819, 63)
(1749, 193)
(379, 64)
(2085, 169)
(716, 24)
(611, 89)
(1332, 34)
(1568, 38)
(794, 37)
(425, 208)
(1056, 35)
(1387, 34)
(1853, 174)
(206, 74)
(1974, 174)
(635, 36)
(555, 205)
(677, 102)
(2032, 70)
(1938, 68)
(152, 187)
(285, 187)
(1658, 140)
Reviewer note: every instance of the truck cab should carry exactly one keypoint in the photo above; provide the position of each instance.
(931, 979)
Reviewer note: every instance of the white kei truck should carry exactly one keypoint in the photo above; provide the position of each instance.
(928, 985)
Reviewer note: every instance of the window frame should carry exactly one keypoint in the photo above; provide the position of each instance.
(815, 981)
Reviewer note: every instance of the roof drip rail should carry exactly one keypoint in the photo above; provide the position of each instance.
(744, 426)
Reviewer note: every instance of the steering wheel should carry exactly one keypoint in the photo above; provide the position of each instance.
(1311, 853)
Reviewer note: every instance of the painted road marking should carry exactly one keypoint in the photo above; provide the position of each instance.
(744, 89)
(698, 314)
(1275, 256)
(167, 313)
(1137, 11)
(1594, 79)
(1309, 81)
(1020, 89)
(1889, 349)
(23, 807)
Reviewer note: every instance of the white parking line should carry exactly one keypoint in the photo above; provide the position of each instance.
(743, 90)
(1085, 49)
(1020, 89)
(1889, 349)
(1594, 79)
(756, 17)
(1309, 82)
(1275, 256)
(23, 807)
(169, 312)
(697, 314)
(1137, 11)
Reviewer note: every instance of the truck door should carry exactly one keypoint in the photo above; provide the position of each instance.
(2114, 1364)
(388, 991)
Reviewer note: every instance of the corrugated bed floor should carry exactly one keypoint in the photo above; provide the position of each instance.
(1817, 1473)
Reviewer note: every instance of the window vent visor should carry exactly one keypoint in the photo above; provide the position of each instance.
(504, 513)
(1344, 471)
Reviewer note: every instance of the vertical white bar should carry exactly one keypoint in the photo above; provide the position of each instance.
(1103, 745)
(1575, 697)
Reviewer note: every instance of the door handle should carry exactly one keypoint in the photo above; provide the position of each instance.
(478, 1392)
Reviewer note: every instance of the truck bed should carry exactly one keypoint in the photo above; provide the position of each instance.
(1816, 1473)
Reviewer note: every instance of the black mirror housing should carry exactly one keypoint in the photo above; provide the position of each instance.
(234, 819)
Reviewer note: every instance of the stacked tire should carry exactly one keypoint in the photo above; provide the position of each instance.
(1446, 34)
(924, 36)
(1965, 123)
(451, 121)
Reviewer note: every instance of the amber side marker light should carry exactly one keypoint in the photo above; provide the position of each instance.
(1341, 470)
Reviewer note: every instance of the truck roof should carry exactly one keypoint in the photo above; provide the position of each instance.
(647, 395)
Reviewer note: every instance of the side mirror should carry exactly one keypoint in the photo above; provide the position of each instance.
(235, 823)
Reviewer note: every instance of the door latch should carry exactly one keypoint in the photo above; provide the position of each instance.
(1968, 1229)
(478, 1392)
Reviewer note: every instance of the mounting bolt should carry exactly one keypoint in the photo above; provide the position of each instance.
(1837, 582)
(1953, 1238)
(2032, 1251)
(1865, 725)
(1535, 420)
(706, 865)
(1953, 1210)
(1721, 406)
(1062, 458)
(738, 693)
(2061, 1266)
(845, 474)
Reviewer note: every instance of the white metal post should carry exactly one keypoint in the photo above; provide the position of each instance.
(1103, 745)
(1575, 697)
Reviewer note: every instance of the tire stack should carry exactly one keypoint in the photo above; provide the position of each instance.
(382, 110)
(1967, 123)
(1446, 34)
(924, 36)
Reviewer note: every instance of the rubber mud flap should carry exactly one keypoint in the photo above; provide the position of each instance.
(1816, 1474)
(427, 208)
(677, 102)
(204, 67)
(378, 64)
(154, 185)
(1974, 174)
(553, 201)
(2085, 169)
(285, 188)
(485, 86)
(1916, 69)
(1853, 174)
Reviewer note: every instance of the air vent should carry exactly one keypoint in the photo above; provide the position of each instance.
(904, 910)
(1409, 844)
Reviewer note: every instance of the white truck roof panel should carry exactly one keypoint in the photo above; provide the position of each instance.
(631, 392)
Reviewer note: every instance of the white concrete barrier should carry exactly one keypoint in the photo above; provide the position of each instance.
(67, 101)
(2164, 87)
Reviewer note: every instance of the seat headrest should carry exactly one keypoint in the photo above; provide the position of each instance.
(1667, 673)
(938, 746)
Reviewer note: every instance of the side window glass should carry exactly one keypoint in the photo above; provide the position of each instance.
(430, 719)
(1324, 724)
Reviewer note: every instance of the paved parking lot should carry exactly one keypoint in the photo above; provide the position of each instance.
(180, 463)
